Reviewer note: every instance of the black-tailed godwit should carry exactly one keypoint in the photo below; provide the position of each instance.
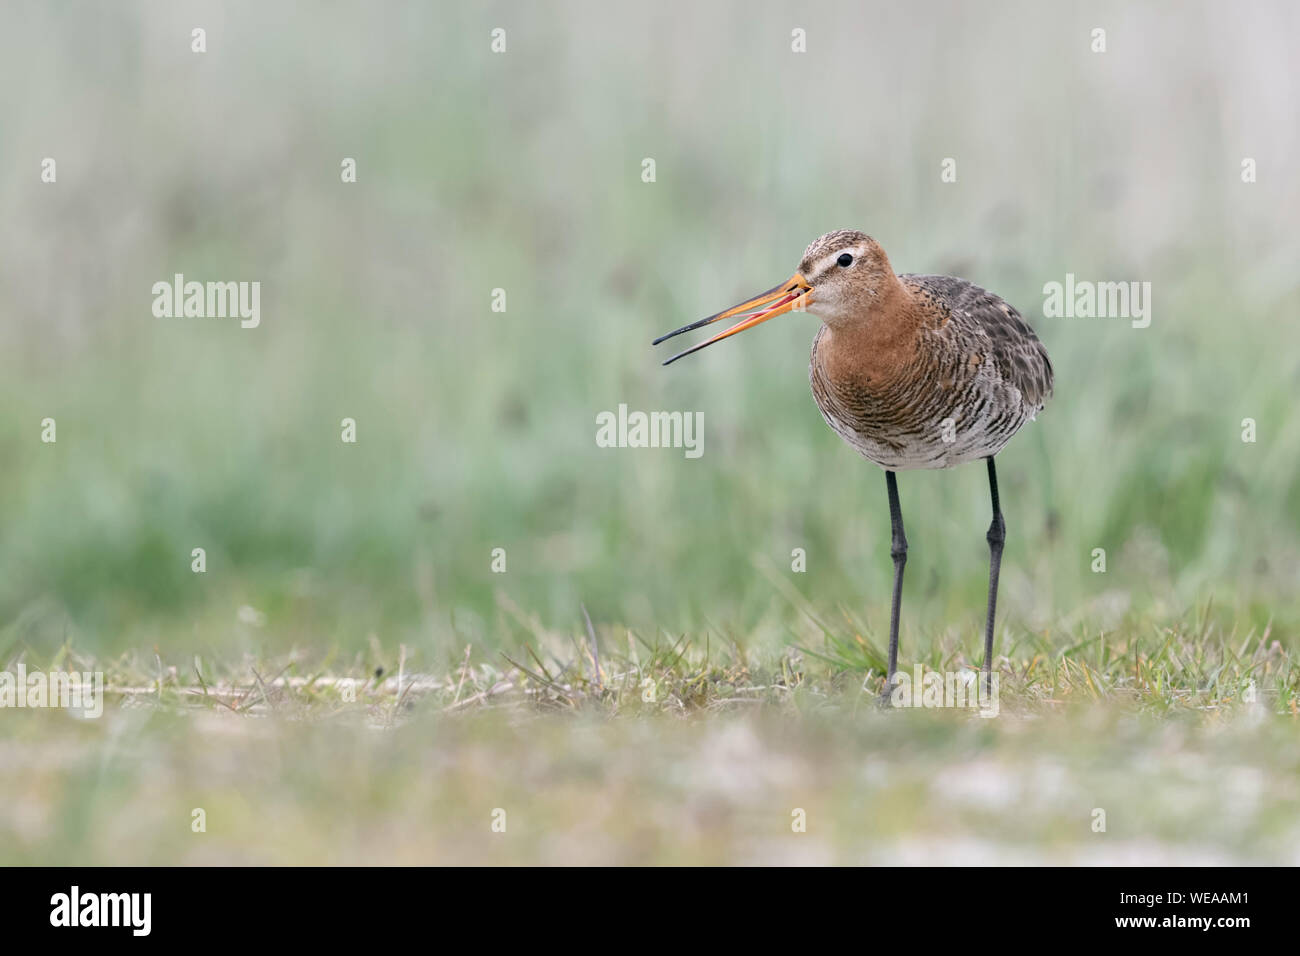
(913, 371)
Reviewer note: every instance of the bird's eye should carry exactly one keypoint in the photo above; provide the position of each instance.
(845, 260)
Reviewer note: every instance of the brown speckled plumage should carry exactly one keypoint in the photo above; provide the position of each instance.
(971, 373)
(917, 371)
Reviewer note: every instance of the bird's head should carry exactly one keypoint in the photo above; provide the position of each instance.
(845, 271)
(840, 277)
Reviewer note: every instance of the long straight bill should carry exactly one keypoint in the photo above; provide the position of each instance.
(794, 293)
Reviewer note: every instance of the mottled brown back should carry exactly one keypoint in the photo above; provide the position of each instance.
(1016, 351)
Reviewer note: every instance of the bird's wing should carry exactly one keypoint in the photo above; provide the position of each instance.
(979, 316)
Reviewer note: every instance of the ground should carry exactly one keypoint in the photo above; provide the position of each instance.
(1171, 744)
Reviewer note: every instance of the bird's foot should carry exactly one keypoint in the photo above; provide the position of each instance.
(885, 699)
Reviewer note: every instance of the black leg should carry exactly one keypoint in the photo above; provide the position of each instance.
(996, 536)
(897, 551)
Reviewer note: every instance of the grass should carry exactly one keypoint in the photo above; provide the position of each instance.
(674, 750)
(1145, 667)
(605, 746)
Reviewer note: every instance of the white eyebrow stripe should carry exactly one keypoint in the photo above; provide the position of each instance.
(826, 261)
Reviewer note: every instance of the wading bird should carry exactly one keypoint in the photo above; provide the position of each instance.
(913, 371)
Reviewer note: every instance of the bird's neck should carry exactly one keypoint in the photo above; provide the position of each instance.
(872, 350)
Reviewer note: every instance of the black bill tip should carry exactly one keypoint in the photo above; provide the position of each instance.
(686, 328)
(713, 318)
(686, 352)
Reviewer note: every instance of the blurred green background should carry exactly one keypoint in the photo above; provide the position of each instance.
(522, 171)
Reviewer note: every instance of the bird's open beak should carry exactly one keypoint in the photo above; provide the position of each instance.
(792, 295)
